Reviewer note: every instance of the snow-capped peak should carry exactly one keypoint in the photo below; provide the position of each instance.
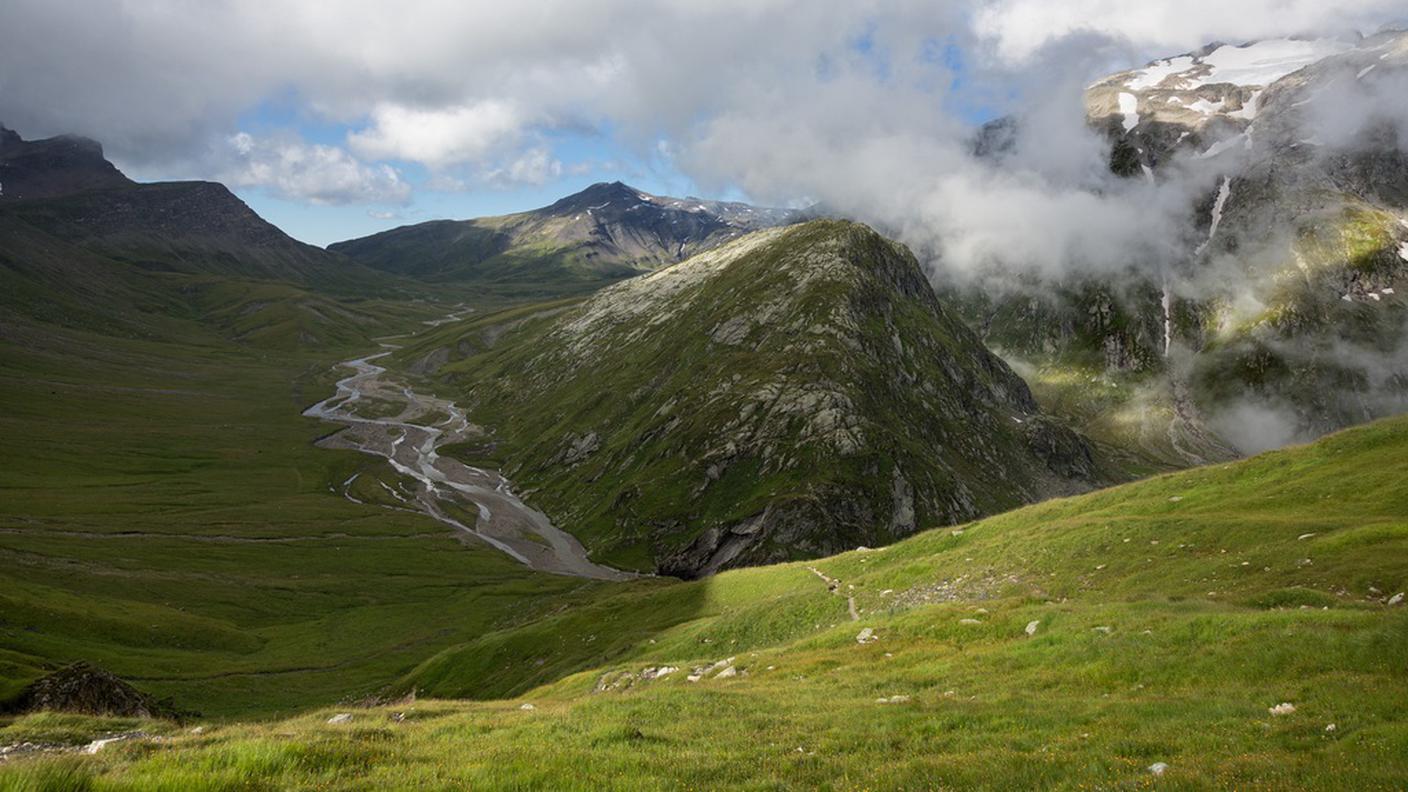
(1254, 65)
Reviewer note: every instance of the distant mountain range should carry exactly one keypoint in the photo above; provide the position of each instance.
(601, 234)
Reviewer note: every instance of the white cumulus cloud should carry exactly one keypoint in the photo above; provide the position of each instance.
(291, 168)
(438, 137)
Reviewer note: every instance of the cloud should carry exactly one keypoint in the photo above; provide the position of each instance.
(534, 166)
(1356, 104)
(1253, 425)
(319, 174)
(464, 86)
(438, 137)
(1020, 28)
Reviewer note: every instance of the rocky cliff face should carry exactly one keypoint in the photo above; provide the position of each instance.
(603, 233)
(794, 392)
(1286, 305)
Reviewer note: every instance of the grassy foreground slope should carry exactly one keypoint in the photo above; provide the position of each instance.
(1071, 644)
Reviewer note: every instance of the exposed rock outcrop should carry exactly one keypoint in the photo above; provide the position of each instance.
(89, 690)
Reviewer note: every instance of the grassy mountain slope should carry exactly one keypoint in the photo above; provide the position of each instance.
(1071, 644)
(192, 228)
(63, 188)
(793, 393)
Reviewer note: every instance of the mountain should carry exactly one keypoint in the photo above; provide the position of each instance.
(50, 168)
(796, 391)
(1284, 317)
(601, 234)
(64, 188)
(84, 247)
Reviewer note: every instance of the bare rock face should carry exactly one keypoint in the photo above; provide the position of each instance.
(89, 690)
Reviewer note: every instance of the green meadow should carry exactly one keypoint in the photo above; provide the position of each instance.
(1071, 644)
(165, 514)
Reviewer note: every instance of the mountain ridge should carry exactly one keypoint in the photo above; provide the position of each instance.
(53, 167)
(65, 188)
(580, 242)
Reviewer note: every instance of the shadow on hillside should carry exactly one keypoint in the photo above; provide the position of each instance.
(600, 623)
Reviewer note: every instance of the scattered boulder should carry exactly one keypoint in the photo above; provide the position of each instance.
(866, 636)
(727, 672)
(969, 621)
(341, 717)
(1158, 768)
(1284, 708)
(892, 700)
(90, 690)
(1396, 599)
(1331, 728)
(719, 665)
(28, 747)
(526, 707)
(1032, 625)
(615, 680)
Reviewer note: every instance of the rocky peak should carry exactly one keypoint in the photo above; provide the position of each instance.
(1206, 101)
(53, 167)
(8, 137)
(602, 195)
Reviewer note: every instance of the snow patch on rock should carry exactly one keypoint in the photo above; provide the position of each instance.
(1129, 108)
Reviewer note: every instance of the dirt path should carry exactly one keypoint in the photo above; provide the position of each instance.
(834, 586)
(504, 522)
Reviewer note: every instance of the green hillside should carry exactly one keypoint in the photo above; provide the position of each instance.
(1072, 644)
(789, 394)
